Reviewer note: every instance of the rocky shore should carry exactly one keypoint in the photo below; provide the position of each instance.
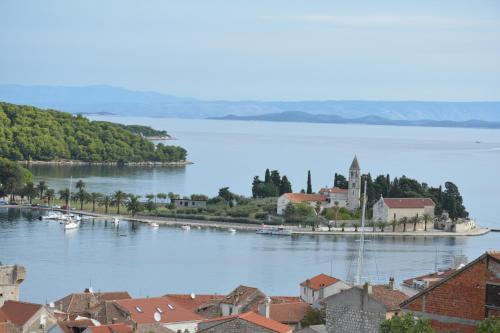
(77, 162)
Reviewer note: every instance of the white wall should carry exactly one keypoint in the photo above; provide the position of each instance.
(191, 326)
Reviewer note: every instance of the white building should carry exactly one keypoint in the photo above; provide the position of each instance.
(321, 286)
(393, 209)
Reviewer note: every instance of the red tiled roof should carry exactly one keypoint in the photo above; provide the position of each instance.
(142, 310)
(333, 190)
(192, 304)
(255, 319)
(285, 299)
(19, 312)
(113, 328)
(3, 317)
(302, 197)
(288, 313)
(432, 276)
(319, 281)
(389, 297)
(408, 202)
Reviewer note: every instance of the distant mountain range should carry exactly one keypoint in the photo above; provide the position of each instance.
(101, 99)
(304, 117)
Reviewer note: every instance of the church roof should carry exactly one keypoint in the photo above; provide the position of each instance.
(408, 202)
(355, 164)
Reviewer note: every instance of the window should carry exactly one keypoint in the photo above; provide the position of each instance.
(493, 295)
(138, 309)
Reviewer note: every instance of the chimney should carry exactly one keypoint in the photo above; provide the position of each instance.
(114, 320)
(391, 283)
(264, 308)
(367, 288)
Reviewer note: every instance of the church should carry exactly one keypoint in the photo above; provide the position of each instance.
(329, 197)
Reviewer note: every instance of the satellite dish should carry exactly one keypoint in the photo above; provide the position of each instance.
(157, 316)
(52, 305)
(193, 296)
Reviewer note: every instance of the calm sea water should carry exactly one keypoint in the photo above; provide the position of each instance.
(154, 262)
(149, 262)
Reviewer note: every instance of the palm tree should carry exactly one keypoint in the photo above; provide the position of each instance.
(415, 220)
(80, 185)
(394, 223)
(81, 196)
(105, 201)
(41, 187)
(427, 217)
(403, 221)
(94, 196)
(133, 204)
(30, 191)
(118, 198)
(64, 195)
(49, 193)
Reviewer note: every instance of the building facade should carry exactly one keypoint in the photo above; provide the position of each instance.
(394, 209)
(321, 286)
(188, 203)
(354, 187)
(11, 278)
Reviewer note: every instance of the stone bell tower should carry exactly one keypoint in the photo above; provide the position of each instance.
(10, 279)
(354, 187)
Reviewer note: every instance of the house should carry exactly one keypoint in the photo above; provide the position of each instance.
(188, 203)
(393, 209)
(28, 317)
(72, 325)
(88, 304)
(240, 300)
(316, 288)
(113, 328)
(414, 285)
(327, 197)
(11, 278)
(289, 313)
(206, 306)
(361, 309)
(249, 322)
(161, 310)
(462, 300)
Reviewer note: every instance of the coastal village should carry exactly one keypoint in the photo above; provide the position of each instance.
(457, 299)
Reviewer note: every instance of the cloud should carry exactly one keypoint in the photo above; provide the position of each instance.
(389, 21)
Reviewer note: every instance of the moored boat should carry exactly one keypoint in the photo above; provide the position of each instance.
(186, 227)
(154, 225)
(275, 230)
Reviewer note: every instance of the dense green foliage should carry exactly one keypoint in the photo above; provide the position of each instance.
(14, 178)
(405, 324)
(145, 131)
(273, 185)
(309, 184)
(29, 133)
(314, 317)
(489, 325)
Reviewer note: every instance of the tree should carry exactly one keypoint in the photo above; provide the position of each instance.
(64, 195)
(13, 178)
(199, 197)
(118, 199)
(314, 317)
(340, 181)
(415, 220)
(81, 196)
(267, 177)
(105, 201)
(405, 323)
(427, 217)
(41, 187)
(29, 191)
(489, 325)
(94, 197)
(403, 221)
(285, 186)
(256, 187)
(275, 178)
(299, 212)
(49, 194)
(453, 202)
(133, 204)
(162, 197)
(80, 185)
(309, 185)
(226, 194)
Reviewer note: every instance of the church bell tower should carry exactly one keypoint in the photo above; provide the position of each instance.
(354, 187)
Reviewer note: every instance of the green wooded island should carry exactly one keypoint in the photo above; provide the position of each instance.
(48, 136)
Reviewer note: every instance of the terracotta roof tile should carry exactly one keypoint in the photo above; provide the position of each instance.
(255, 319)
(142, 310)
(82, 302)
(408, 202)
(333, 190)
(319, 281)
(113, 328)
(19, 312)
(302, 197)
(432, 276)
(389, 297)
(288, 313)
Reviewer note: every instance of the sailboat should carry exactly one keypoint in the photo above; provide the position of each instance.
(70, 223)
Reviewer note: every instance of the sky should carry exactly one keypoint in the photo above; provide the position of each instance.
(259, 50)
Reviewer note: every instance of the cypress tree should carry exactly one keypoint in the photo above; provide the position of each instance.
(285, 186)
(309, 186)
(267, 177)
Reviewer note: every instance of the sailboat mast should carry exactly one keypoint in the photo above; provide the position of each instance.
(69, 194)
(361, 239)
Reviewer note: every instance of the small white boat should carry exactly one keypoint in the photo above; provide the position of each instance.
(52, 216)
(186, 227)
(232, 230)
(71, 224)
(274, 230)
(154, 225)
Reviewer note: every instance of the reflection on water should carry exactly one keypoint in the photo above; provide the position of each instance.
(149, 262)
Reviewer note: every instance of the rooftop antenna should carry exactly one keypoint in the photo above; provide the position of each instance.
(361, 239)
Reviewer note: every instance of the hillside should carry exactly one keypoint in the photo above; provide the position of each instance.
(105, 100)
(29, 133)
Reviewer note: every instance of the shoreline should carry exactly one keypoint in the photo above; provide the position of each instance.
(115, 163)
(163, 221)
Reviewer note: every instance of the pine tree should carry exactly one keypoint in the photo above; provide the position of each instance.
(309, 186)
(285, 186)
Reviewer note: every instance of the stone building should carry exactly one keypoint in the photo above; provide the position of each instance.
(361, 309)
(390, 209)
(10, 279)
(188, 203)
(354, 187)
(459, 302)
(249, 322)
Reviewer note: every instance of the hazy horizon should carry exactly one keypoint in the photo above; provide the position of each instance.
(279, 51)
